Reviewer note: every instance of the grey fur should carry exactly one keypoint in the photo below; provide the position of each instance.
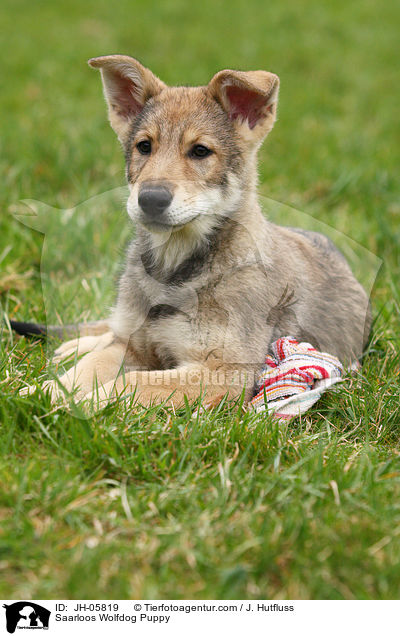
(248, 292)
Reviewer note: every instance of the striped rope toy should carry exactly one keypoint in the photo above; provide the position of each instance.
(294, 378)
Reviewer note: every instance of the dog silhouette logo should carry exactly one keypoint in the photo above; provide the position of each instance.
(26, 615)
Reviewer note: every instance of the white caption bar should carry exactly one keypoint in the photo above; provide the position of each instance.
(21, 617)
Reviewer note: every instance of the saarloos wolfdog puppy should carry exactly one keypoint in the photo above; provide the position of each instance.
(209, 283)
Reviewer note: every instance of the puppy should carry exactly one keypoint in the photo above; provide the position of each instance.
(209, 283)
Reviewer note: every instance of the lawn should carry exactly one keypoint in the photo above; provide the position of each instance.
(156, 504)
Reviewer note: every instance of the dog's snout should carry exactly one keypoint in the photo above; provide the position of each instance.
(154, 199)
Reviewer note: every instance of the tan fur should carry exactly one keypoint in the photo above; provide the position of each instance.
(209, 283)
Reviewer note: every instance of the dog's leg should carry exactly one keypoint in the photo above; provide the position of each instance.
(173, 385)
(95, 369)
(85, 344)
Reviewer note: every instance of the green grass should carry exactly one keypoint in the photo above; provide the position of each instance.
(223, 505)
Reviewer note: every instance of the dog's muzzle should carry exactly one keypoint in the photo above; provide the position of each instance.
(154, 199)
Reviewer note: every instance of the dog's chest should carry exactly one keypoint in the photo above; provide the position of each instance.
(179, 324)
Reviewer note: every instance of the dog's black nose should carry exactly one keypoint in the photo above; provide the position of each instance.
(154, 199)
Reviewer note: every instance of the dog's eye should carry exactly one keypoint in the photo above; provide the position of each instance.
(144, 147)
(199, 152)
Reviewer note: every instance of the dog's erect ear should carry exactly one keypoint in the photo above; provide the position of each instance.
(127, 86)
(250, 99)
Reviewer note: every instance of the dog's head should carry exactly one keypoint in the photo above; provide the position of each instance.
(190, 152)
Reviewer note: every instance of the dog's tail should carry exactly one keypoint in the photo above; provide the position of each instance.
(34, 330)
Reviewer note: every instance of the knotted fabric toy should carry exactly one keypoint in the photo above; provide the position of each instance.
(294, 378)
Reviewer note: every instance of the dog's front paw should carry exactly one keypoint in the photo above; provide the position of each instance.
(51, 387)
(79, 346)
(27, 390)
(46, 387)
(55, 390)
